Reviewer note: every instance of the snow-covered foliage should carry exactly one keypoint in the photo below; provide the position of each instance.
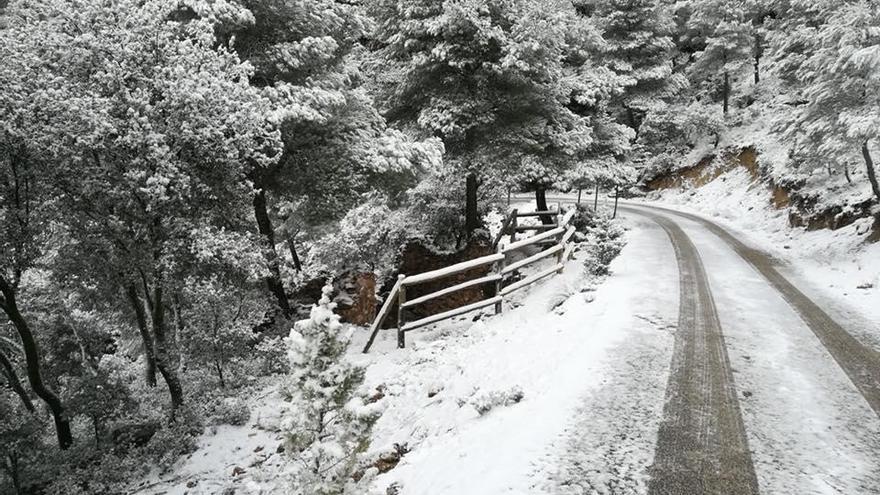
(604, 242)
(499, 398)
(327, 423)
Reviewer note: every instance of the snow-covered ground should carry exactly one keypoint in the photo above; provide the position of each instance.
(836, 268)
(797, 403)
(565, 354)
(563, 392)
(574, 366)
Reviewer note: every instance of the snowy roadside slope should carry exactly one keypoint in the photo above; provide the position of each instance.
(227, 455)
(836, 268)
(555, 357)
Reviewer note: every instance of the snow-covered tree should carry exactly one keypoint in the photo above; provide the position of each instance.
(490, 79)
(328, 421)
(835, 65)
(336, 145)
(726, 38)
(150, 128)
(639, 49)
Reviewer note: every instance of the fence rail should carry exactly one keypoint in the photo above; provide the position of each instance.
(560, 232)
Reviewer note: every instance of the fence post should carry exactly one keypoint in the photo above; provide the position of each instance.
(401, 299)
(513, 226)
(499, 268)
(559, 257)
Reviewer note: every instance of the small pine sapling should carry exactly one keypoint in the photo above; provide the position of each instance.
(328, 422)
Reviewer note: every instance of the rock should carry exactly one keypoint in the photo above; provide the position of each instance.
(379, 395)
(359, 295)
(866, 285)
(393, 489)
(434, 390)
(259, 449)
(389, 460)
(238, 471)
(280, 449)
(192, 484)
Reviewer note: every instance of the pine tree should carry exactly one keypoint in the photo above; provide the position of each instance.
(726, 37)
(834, 65)
(639, 49)
(328, 422)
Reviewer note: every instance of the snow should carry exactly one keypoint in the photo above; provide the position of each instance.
(796, 401)
(221, 449)
(557, 348)
(827, 265)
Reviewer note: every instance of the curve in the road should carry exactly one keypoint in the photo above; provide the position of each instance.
(701, 443)
(860, 362)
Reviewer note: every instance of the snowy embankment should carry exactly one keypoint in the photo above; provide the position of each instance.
(560, 392)
(837, 268)
(553, 347)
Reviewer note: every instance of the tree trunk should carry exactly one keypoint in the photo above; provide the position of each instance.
(97, 429)
(164, 363)
(149, 346)
(759, 51)
(471, 217)
(219, 368)
(541, 204)
(579, 196)
(13, 472)
(15, 383)
(726, 92)
(596, 199)
(297, 264)
(869, 165)
(32, 358)
(631, 115)
(846, 173)
(616, 197)
(273, 280)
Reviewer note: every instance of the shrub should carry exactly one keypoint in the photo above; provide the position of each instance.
(584, 218)
(486, 402)
(228, 411)
(605, 241)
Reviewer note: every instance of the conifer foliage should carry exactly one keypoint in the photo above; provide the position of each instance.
(328, 420)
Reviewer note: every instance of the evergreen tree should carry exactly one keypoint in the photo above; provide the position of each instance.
(726, 37)
(834, 65)
(639, 49)
(327, 422)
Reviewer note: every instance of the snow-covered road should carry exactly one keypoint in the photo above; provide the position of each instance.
(778, 396)
(811, 429)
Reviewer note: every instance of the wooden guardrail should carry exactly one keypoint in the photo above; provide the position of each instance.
(562, 249)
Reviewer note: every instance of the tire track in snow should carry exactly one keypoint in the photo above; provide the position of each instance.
(608, 447)
(701, 443)
(860, 362)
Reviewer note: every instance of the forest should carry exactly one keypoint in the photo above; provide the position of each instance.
(180, 178)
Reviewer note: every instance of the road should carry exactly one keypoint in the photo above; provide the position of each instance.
(766, 392)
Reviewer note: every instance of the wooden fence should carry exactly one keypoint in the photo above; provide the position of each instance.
(555, 238)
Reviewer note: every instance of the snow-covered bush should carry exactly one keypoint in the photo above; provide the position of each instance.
(328, 421)
(605, 241)
(584, 218)
(488, 401)
(228, 411)
(369, 237)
